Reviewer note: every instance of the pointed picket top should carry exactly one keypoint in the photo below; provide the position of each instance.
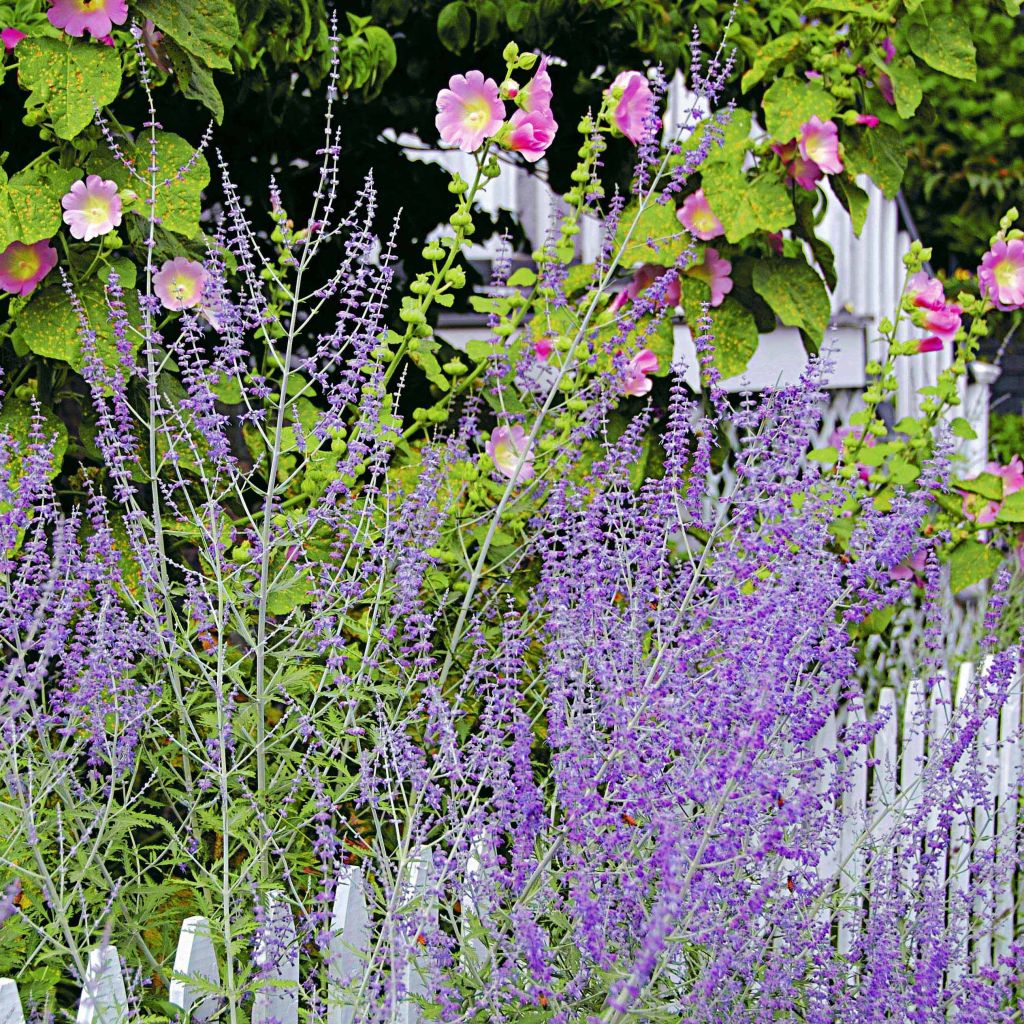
(10, 1005)
(277, 998)
(416, 980)
(474, 952)
(195, 957)
(103, 1000)
(350, 939)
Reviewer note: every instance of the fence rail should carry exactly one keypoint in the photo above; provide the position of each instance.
(884, 781)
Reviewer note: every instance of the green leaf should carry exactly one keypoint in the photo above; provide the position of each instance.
(656, 238)
(736, 335)
(68, 79)
(1012, 7)
(454, 26)
(745, 206)
(971, 562)
(49, 326)
(877, 152)
(768, 59)
(425, 359)
(906, 85)
(943, 42)
(16, 420)
(194, 79)
(988, 485)
(524, 277)
(30, 207)
(853, 199)
(797, 294)
(961, 428)
(789, 103)
(208, 29)
(1012, 509)
(876, 10)
(177, 202)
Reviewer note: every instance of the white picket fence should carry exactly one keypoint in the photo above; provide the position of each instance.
(886, 781)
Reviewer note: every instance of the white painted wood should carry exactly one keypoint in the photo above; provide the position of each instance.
(103, 999)
(915, 727)
(984, 834)
(195, 959)
(350, 939)
(851, 856)
(824, 747)
(473, 951)
(415, 977)
(10, 1003)
(1008, 782)
(958, 869)
(885, 752)
(278, 997)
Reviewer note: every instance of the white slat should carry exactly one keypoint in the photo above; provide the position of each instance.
(350, 938)
(416, 980)
(1006, 823)
(824, 748)
(473, 951)
(278, 997)
(195, 958)
(10, 1004)
(984, 834)
(851, 857)
(915, 724)
(103, 1000)
(959, 848)
(885, 752)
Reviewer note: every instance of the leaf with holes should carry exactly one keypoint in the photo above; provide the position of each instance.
(68, 79)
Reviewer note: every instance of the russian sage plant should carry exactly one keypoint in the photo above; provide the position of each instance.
(562, 719)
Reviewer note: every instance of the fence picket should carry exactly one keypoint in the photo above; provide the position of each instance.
(10, 1003)
(277, 1000)
(416, 982)
(985, 831)
(195, 957)
(350, 938)
(103, 1000)
(1007, 801)
(473, 951)
(851, 857)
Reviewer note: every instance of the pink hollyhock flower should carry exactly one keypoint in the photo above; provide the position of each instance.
(819, 143)
(543, 348)
(938, 316)
(179, 283)
(838, 438)
(698, 218)
(806, 173)
(1012, 475)
(637, 383)
(92, 208)
(775, 242)
(911, 568)
(1001, 275)
(634, 104)
(22, 267)
(152, 43)
(11, 37)
(868, 120)
(929, 344)
(715, 272)
(889, 49)
(469, 110)
(508, 447)
(535, 97)
(926, 292)
(812, 74)
(530, 134)
(97, 17)
(644, 277)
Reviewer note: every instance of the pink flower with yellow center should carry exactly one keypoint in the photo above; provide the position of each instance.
(636, 382)
(634, 105)
(22, 266)
(512, 452)
(698, 218)
(806, 173)
(469, 110)
(530, 134)
(97, 17)
(714, 271)
(1012, 476)
(179, 283)
(543, 348)
(92, 208)
(1001, 275)
(10, 37)
(819, 143)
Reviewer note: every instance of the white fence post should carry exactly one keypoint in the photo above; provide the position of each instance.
(277, 999)
(103, 1000)
(350, 938)
(10, 1004)
(194, 959)
(416, 980)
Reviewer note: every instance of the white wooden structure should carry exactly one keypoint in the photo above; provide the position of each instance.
(886, 782)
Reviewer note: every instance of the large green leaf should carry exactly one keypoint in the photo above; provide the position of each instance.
(177, 201)
(30, 207)
(797, 294)
(455, 26)
(68, 79)
(790, 102)
(876, 10)
(17, 421)
(206, 28)
(733, 327)
(853, 199)
(943, 41)
(877, 152)
(775, 54)
(195, 79)
(49, 326)
(656, 237)
(971, 562)
(744, 206)
(906, 85)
